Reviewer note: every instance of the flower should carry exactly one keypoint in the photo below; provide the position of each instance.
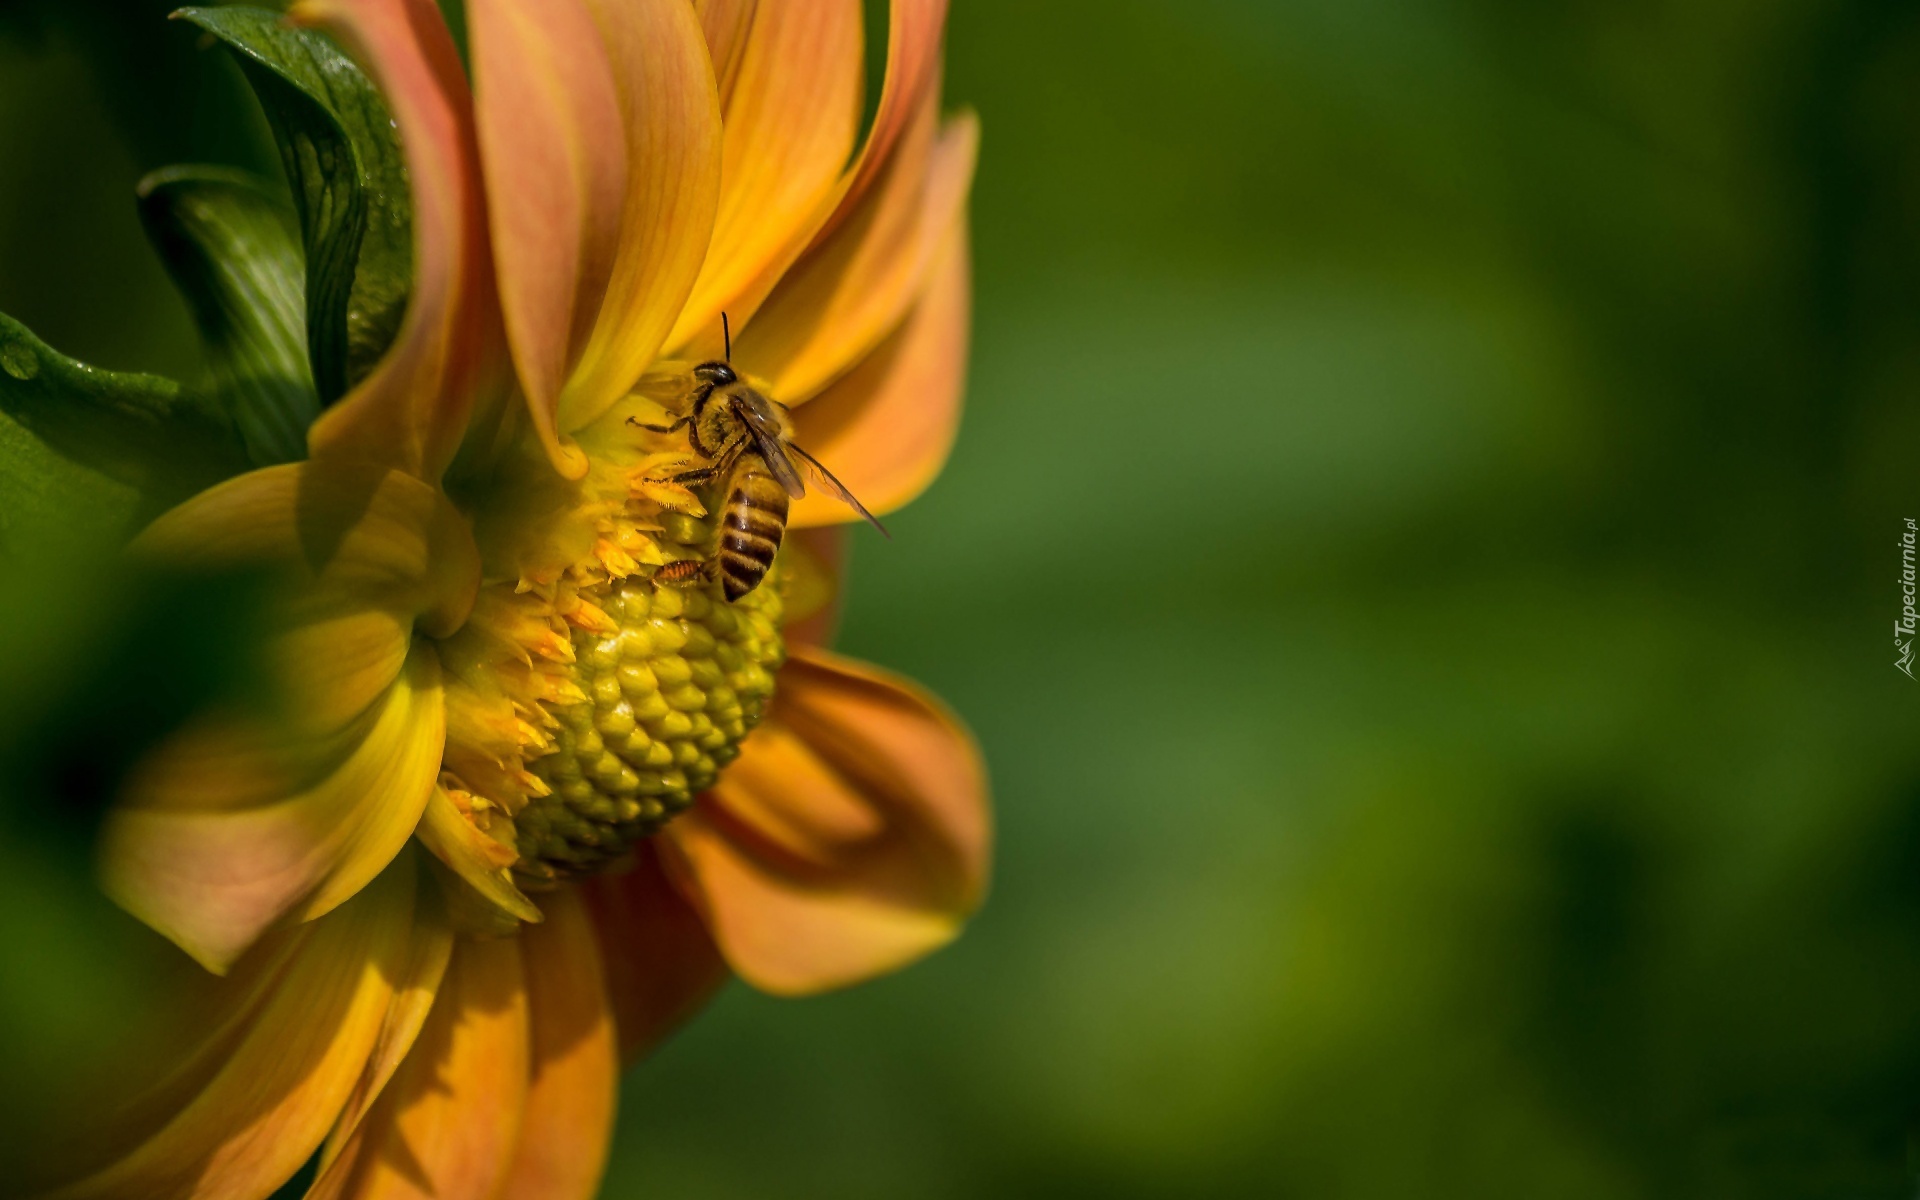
(520, 809)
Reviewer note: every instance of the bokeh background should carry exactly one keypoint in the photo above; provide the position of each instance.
(1420, 559)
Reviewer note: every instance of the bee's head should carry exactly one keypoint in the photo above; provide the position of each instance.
(717, 373)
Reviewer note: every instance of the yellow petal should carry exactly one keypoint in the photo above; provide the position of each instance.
(852, 289)
(671, 112)
(246, 818)
(343, 539)
(556, 167)
(283, 1050)
(788, 130)
(887, 427)
(446, 1125)
(411, 410)
(392, 772)
(229, 828)
(476, 858)
(660, 964)
(341, 665)
(849, 839)
(576, 1062)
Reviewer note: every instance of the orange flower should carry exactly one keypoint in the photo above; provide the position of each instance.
(491, 841)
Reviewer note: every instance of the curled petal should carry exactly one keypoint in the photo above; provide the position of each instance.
(230, 828)
(568, 1124)
(412, 409)
(481, 862)
(788, 130)
(886, 428)
(850, 839)
(282, 1044)
(246, 818)
(556, 168)
(916, 29)
(446, 1125)
(852, 289)
(671, 114)
(661, 965)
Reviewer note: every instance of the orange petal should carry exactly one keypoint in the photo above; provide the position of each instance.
(671, 112)
(912, 83)
(284, 1049)
(853, 288)
(556, 167)
(661, 965)
(818, 566)
(788, 130)
(887, 427)
(725, 24)
(227, 829)
(414, 991)
(849, 839)
(576, 1063)
(446, 1126)
(915, 31)
(411, 410)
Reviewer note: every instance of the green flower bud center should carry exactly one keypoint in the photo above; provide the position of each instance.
(671, 696)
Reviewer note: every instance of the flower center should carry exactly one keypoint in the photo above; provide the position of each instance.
(602, 680)
(670, 696)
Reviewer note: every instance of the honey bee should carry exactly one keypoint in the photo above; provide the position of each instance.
(746, 439)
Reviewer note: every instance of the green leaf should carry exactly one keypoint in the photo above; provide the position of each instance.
(233, 247)
(46, 499)
(84, 447)
(349, 180)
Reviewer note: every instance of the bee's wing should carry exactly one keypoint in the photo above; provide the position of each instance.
(774, 451)
(771, 441)
(833, 487)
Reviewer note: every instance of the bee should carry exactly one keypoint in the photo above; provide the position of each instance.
(746, 439)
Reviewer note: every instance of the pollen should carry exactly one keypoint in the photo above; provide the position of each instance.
(670, 686)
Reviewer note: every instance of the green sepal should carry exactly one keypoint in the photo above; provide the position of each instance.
(232, 245)
(83, 447)
(349, 180)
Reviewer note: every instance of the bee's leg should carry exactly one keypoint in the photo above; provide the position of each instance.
(700, 475)
(689, 572)
(718, 465)
(682, 423)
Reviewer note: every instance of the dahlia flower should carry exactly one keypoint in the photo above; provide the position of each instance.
(519, 809)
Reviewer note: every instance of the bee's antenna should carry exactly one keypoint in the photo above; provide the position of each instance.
(726, 331)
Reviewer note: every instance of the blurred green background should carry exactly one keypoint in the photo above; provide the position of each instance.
(1420, 558)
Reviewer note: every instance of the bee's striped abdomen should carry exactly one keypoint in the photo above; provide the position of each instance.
(756, 518)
